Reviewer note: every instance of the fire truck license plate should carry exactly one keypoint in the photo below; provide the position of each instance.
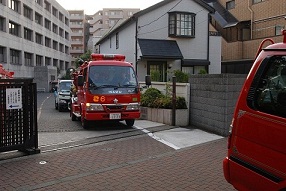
(115, 116)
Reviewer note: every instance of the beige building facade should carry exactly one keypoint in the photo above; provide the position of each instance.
(243, 24)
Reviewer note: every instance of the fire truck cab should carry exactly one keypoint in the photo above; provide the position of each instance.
(105, 88)
(257, 141)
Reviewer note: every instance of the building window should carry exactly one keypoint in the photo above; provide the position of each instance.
(181, 24)
(15, 56)
(61, 47)
(61, 17)
(61, 32)
(28, 34)
(38, 18)
(28, 12)
(14, 29)
(62, 65)
(55, 28)
(257, 1)
(39, 38)
(55, 12)
(28, 59)
(2, 24)
(117, 40)
(55, 62)
(47, 6)
(66, 49)
(2, 54)
(47, 24)
(278, 30)
(39, 60)
(47, 61)
(67, 36)
(14, 5)
(67, 21)
(39, 2)
(47, 42)
(230, 5)
(55, 45)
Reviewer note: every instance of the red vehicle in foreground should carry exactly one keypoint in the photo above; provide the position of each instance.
(256, 158)
(106, 88)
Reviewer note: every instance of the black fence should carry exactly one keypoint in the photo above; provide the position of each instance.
(18, 116)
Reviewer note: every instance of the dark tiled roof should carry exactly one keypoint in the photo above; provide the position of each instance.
(167, 49)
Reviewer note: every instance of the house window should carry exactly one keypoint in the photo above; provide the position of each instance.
(39, 38)
(181, 24)
(257, 1)
(28, 34)
(28, 12)
(110, 42)
(39, 60)
(38, 18)
(28, 59)
(15, 56)
(14, 5)
(2, 24)
(157, 70)
(278, 30)
(14, 29)
(47, 42)
(230, 5)
(117, 40)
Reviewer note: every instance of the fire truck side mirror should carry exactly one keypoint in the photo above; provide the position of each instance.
(80, 80)
(148, 80)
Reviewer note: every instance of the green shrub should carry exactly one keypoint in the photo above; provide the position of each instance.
(149, 96)
(153, 98)
(181, 76)
(155, 76)
(202, 71)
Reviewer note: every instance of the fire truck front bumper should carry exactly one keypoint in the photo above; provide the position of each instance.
(112, 116)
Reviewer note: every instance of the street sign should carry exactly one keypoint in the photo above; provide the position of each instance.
(13, 98)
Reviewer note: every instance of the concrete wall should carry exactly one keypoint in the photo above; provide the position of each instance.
(212, 100)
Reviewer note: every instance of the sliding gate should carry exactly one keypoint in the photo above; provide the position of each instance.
(18, 116)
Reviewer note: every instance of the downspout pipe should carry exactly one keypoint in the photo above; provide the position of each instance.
(251, 20)
(136, 43)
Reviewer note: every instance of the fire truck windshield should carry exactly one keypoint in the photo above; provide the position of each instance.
(111, 76)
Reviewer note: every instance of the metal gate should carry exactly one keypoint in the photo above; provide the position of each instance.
(18, 116)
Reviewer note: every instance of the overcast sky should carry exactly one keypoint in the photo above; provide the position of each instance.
(92, 6)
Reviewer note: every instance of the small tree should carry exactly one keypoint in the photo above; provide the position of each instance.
(84, 57)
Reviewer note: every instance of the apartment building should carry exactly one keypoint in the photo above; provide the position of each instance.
(243, 24)
(79, 33)
(35, 38)
(103, 21)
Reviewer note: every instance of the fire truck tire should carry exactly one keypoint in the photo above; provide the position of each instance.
(84, 123)
(130, 122)
(73, 117)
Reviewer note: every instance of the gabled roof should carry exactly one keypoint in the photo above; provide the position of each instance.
(147, 10)
(167, 49)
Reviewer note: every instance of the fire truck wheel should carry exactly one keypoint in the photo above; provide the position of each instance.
(73, 117)
(130, 122)
(84, 123)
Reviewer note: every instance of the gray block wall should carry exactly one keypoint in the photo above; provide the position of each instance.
(212, 100)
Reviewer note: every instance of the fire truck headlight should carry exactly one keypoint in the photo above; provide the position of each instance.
(133, 106)
(94, 107)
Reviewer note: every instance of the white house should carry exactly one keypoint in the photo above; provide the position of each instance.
(170, 35)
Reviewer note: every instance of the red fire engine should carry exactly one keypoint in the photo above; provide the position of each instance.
(105, 88)
(4, 74)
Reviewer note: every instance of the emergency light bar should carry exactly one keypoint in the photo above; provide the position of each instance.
(117, 57)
